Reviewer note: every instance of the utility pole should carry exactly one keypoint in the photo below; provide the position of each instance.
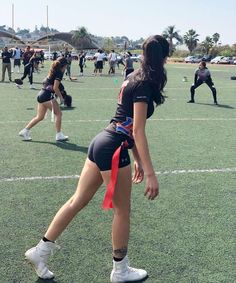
(12, 16)
(49, 49)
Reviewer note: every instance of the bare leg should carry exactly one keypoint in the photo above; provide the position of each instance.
(89, 182)
(41, 111)
(121, 204)
(58, 115)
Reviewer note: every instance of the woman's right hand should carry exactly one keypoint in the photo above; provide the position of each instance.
(152, 187)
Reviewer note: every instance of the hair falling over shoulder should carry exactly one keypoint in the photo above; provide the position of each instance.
(54, 67)
(155, 52)
(57, 65)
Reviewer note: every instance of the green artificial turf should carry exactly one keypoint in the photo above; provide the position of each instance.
(187, 235)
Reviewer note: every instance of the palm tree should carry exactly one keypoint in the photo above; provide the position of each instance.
(82, 39)
(191, 39)
(108, 44)
(207, 44)
(80, 33)
(216, 37)
(170, 33)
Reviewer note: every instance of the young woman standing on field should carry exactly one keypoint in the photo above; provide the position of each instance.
(108, 161)
(202, 75)
(46, 100)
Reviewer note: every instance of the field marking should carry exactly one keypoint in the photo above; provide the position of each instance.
(153, 119)
(167, 172)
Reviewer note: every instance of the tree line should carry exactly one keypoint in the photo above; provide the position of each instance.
(210, 45)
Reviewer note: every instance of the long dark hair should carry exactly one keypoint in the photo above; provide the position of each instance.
(155, 51)
(57, 65)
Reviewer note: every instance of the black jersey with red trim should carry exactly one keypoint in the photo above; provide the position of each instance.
(130, 93)
(49, 82)
(26, 57)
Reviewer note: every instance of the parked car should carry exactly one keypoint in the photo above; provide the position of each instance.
(189, 59)
(227, 60)
(193, 59)
(74, 55)
(135, 57)
(207, 58)
(197, 59)
(216, 60)
(234, 62)
(89, 56)
(47, 55)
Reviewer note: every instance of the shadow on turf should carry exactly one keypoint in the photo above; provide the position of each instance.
(71, 146)
(219, 105)
(67, 108)
(62, 108)
(55, 281)
(65, 145)
(46, 281)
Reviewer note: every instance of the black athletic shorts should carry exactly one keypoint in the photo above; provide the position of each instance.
(44, 96)
(99, 65)
(16, 62)
(128, 71)
(102, 148)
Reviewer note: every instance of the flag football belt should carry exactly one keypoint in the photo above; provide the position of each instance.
(120, 128)
(107, 202)
(125, 127)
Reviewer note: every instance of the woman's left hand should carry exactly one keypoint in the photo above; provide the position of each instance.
(138, 173)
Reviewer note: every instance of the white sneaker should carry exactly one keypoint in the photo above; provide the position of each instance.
(60, 137)
(121, 272)
(38, 257)
(18, 86)
(25, 133)
(32, 87)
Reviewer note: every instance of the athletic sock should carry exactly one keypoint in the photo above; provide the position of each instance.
(118, 259)
(46, 240)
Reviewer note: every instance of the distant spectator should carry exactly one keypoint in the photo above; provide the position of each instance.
(68, 57)
(120, 62)
(129, 68)
(95, 62)
(6, 63)
(99, 61)
(41, 57)
(54, 56)
(17, 56)
(112, 58)
(37, 60)
(81, 62)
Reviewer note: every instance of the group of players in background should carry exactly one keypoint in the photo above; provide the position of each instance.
(31, 60)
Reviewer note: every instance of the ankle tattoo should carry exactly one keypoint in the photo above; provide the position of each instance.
(120, 253)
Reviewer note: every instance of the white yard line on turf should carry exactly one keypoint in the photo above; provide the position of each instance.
(167, 172)
(153, 119)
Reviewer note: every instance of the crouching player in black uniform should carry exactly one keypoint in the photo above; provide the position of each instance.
(109, 162)
(46, 100)
(202, 75)
(66, 97)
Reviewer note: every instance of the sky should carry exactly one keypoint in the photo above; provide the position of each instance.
(132, 18)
